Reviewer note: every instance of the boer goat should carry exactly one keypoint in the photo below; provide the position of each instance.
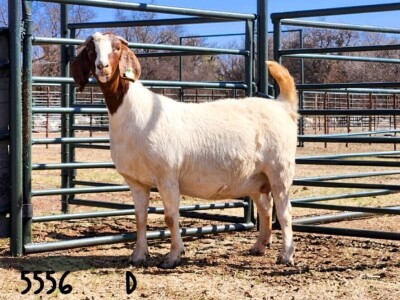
(218, 150)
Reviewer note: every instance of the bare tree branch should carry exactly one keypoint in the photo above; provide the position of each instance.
(3, 13)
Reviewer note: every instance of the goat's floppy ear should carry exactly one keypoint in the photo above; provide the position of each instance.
(129, 66)
(81, 67)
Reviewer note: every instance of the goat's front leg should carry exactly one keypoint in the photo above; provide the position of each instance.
(141, 197)
(170, 196)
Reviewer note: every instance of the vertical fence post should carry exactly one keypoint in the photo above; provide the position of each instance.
(262, 45)
(47, 115)
(249, 60)
(394, 120)
(27, 120)
(4, 135)
(65, 118)
(181, 91)
(276, 44)
(249, 211)
(14, 21)
(71, 53)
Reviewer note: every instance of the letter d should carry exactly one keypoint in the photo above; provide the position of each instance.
(131, 282)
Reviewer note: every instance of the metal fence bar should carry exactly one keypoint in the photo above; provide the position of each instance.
(374, 234)
(153, 83)
(129, 237)
(343, 57)
(343, 196)
(336, 11)
(375, 210)
(157, 9)
(74, 165)
(101, 204)
(337, 26)
(285, 52)
(349, 112)
(204, 50)
(353, 175)
(371, 163)
(126, 212)
(374, 186)
(349, 139)
(359, 133)
(75, 110)
(330, 218)
(144, 23)
(348, 155)
(69, 191)
(349, 85)
(63, 140)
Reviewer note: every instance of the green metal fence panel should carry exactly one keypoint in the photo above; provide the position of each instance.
(15, 92)
(21, 162)
(387, 136)
(5, 203)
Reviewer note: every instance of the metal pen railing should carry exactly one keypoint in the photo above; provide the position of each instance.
(22, 213)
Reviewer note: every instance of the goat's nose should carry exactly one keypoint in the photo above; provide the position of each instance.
(101, 66)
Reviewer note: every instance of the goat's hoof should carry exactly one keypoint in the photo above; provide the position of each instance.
(257, 251)
(138, 262)
(286, 262)
(167, 264)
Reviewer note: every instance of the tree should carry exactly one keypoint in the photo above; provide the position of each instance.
(231, 67)
(3, 13)
(195, 67)
(46, 60)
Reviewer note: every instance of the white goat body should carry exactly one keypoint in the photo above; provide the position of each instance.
(218, 150)
(214, 150)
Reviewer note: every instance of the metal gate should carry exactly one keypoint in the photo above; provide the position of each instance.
(370, 159)
(22, 111)
(23, 171)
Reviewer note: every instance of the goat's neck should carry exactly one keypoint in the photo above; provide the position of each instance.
(114, 91)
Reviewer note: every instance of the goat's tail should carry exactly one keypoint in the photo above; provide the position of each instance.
(286, 83)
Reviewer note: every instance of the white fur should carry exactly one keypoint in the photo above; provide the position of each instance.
(103, 49)
(218, 150)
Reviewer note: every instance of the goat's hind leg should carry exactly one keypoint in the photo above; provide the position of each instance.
(284, 214)
(264, 209)
(141, 197)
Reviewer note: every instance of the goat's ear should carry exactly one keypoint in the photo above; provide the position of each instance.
(81, 67)
(129, 66)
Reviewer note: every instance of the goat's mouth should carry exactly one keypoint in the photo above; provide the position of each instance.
(103, 78)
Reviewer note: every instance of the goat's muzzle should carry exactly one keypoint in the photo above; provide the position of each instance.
(103, 73)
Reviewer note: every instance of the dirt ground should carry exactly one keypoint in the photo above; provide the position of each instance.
(215, 266)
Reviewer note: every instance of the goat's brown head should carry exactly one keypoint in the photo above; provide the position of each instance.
(105, 56)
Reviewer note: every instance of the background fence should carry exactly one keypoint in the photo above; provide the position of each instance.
(51, 104)
(367, 110)
(343, 113)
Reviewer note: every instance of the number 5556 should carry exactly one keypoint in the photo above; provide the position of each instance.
(64, 288)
